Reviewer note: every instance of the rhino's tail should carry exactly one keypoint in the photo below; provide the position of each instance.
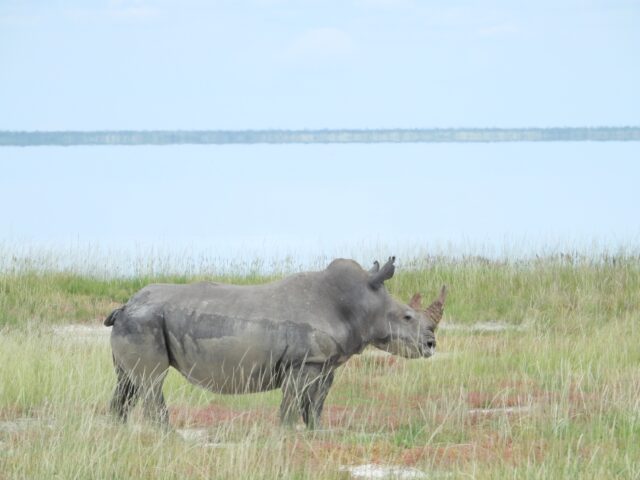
(113, 316)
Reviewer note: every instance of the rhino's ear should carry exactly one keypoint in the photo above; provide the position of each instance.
(436, 309)
(375, 268)
(416, 301)
(376, 279)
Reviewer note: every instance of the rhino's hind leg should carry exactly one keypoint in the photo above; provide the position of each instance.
(304, 391)
(154, 406)
(125, 395)
(142, 359)
(130, 388)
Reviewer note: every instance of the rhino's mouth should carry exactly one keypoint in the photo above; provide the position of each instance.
(427, 351)
(419, 350)
(427, 346)
(407, 348)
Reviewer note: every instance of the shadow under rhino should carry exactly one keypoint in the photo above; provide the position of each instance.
(290, 334)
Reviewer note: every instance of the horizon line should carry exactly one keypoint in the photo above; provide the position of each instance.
(27, 138)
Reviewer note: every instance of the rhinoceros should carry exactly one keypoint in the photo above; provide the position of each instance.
(290, 334)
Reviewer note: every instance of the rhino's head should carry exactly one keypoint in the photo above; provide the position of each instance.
(408, 330)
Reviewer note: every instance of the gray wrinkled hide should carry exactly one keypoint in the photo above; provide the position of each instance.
(290, 334)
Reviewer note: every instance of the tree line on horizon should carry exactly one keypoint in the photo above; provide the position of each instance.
(219, 137)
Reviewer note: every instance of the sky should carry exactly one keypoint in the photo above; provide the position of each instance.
(254, 64)
(239, 64)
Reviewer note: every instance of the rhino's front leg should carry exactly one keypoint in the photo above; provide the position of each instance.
(304, 391)
(313, 400)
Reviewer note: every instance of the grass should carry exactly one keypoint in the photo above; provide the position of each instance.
(557, 398)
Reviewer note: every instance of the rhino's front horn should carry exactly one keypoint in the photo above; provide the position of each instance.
(376, 279)
(436, 309)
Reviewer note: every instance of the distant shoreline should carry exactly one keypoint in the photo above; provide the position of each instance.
(225, 137)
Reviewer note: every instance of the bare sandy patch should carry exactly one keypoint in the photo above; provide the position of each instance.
(479, 327)
(82, 333)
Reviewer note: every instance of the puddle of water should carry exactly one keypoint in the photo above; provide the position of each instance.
(216, 445)
(200, 436)
(483, 327)
(383, 471)
(491, 411)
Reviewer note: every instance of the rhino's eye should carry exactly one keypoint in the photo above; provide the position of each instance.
(407, 317)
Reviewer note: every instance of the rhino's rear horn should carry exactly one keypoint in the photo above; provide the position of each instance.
(436, 309)
(376, 279)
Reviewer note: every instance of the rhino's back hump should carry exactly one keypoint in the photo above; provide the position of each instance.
(305, 299)
(285, 300)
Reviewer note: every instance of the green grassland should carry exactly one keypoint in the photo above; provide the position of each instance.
(553, 393)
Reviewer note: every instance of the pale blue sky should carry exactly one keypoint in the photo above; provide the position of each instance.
(166, 64)
(236, 64)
